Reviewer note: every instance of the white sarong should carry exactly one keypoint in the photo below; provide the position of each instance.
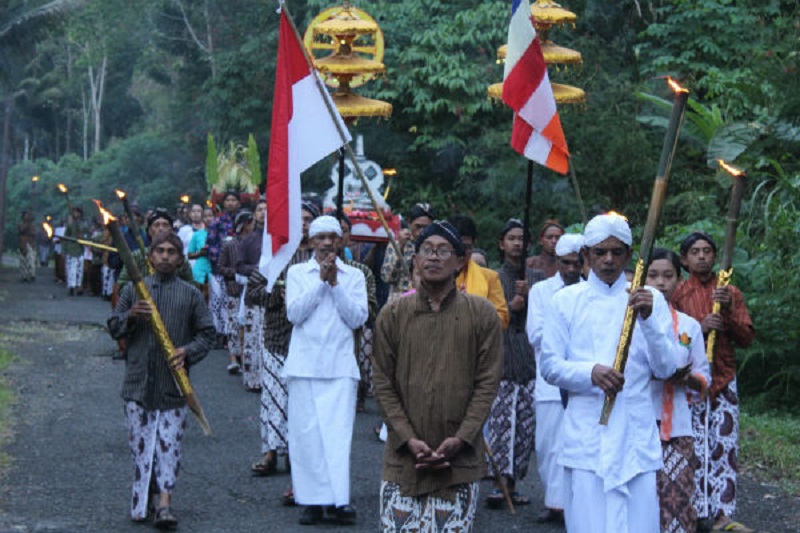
(549, 418)
(630, 508)
(321, 416)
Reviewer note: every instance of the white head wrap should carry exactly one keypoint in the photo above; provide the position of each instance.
(569, 243)
(324, 224)
(602, 227)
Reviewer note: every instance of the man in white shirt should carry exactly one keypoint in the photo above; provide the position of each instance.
(325, 301)
(547, 399)
(610, 471)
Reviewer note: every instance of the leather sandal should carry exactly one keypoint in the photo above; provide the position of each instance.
(165, 519)
(265, 466)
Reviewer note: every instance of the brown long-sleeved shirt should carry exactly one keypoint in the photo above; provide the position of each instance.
(693, 297)
(436, 375)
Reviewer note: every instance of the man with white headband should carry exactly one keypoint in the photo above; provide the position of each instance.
(547, 399)
(325, 301)
(610, 471)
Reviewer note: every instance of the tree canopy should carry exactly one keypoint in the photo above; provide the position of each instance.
(101, 94)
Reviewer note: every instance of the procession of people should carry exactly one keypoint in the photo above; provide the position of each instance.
(477, 373)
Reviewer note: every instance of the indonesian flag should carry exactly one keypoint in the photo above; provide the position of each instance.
(537, 132)
(303, 132)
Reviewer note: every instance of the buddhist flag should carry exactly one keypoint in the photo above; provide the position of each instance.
(303, 132)
(537, 132)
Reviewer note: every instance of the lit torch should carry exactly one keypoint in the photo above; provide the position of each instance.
(63, 188)
(160, 331)
(96, 245)
(649, 233)
(726, 266)
(185, 199)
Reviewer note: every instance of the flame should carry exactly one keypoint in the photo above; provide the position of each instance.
(185, 199)
(48, 229)
(209, 204)
(733, 171)
(619, 215)
(62, 187)
(107, 217)
(391, 172)
(120, 194)
(675, 86)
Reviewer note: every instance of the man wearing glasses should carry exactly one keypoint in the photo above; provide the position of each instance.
(438, 358)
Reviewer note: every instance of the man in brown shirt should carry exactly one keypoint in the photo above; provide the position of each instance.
(438, 359)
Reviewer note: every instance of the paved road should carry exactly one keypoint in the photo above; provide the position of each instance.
(70, 467)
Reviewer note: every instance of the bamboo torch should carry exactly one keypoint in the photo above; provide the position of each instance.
(137, 233)
(167, 348)
(649, 233)
(726, 266)
(49, 230)
(63, 188)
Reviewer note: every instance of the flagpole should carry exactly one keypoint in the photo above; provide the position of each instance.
(335, 116)
(577, 190)
(526, 220)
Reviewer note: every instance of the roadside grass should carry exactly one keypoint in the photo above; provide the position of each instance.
(6, 399)
(769, 447)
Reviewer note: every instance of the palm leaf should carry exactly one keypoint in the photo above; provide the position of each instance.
(253, 161)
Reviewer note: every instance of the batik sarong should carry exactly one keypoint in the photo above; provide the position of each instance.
(274, 403)
(74, 272)
(155, 442)
(108, 281)
(715, 493)
(364, 358)
(252, 346)
(511, 427)
(233, 328)
(676, 486)
(216, 303)
(27, 264)
(429, 514)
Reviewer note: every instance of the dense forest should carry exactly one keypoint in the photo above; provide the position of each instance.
(100, 94)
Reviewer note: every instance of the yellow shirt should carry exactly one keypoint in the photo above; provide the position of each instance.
(479, 281)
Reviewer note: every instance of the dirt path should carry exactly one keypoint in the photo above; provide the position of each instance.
(70, 468)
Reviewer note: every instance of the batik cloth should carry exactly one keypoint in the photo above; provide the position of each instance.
(27, 264)
(233, 329)
(274, 403)
(216, 303)
(364, 357)
(155, 442)
(511, 428)
(74, 272)
(107, 276)
(428, 513)
(676, 486)
(715, 482)
(252, 346)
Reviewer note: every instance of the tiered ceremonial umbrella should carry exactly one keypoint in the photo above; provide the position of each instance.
(354, 45)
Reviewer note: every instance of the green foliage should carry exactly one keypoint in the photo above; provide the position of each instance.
(770, 444)
(253, 161)
(211, 162)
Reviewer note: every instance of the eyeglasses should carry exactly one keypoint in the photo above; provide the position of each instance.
(441, 253)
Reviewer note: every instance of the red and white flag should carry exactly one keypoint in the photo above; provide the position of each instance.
(303, 132)
(537, 132)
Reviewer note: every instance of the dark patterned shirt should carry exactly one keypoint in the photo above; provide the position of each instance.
(519, 363)
(220, 229)
(148, 378)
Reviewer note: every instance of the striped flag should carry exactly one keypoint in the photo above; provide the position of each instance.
(537, 132)
(303, 132)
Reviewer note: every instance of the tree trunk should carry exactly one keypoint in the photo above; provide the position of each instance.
(96, 86)
(85, 115)
(8, 110)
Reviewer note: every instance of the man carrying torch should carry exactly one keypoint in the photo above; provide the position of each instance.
(610, 470)
(155, 409)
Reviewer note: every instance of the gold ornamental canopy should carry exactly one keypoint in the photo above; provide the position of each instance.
(547, 14)
(348, 47)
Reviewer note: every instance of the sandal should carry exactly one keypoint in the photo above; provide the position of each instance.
(730, 525)
(519, 499)
(495, 499)
(287, 498)
(165, 519)
(265, 466)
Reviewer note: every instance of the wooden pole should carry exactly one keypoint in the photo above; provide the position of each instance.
(648, 236)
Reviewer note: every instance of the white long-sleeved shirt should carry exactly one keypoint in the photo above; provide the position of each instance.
(583, 331)
(324, 317)
(540, 299)
(693, 353)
